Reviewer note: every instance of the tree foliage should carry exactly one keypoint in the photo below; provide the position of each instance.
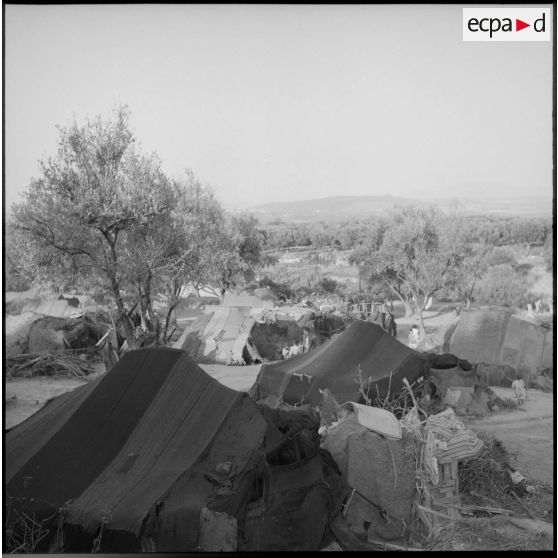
(349, 234)
(88, 196)
(102, 211)
(414, 252)
(501, 286)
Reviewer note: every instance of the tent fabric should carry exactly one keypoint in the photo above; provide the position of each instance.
(143, 449)
(382, 472)
(498, 337)
(191, 338)
(296, 495)
(219, 337)
(334, 364)
(120, 443)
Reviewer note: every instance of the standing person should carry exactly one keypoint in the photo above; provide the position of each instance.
(309, 339)
(414, 336)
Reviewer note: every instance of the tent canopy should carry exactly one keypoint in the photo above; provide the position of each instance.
(334, 365)
(143, 449)
(500, 338)
(219, 337)
(117, 445)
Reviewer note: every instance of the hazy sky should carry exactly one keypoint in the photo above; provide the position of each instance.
(277, 103)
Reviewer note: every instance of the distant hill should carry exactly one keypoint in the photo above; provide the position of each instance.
(341, 207)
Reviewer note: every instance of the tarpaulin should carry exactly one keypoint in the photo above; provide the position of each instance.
(219, 337)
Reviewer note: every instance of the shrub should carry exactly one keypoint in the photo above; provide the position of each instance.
(281, 291)
(501, 255)
(501, 286)
(327, 285)
(549, 252)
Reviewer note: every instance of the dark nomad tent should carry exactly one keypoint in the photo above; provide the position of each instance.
(334, 365)
(137, 458)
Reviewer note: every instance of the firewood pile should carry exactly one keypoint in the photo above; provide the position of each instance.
(47, 364)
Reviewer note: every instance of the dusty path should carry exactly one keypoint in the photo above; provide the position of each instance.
(526, 432)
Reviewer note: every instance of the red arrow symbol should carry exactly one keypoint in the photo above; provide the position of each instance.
(519, 25)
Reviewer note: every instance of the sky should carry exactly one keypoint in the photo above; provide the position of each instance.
(280, 103)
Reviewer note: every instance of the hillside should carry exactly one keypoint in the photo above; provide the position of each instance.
(340, 207)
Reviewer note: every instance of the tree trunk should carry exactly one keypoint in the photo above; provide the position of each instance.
(405, 301)
(420, 306)
(111, 272)
(149, 319)
(421, 324)
(359, 279)
(168, 319)
(469, 296)
(408, 309)
(123, 315)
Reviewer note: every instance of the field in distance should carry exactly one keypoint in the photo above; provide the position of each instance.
(341, 207)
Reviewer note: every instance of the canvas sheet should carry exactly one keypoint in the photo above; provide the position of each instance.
(192, 337)
(380, 469)
(233, 337)
(218, 337)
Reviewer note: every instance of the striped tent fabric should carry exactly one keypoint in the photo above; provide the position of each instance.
(114, 449)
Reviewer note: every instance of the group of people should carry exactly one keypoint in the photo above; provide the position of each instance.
(309, 341)
(384, 318)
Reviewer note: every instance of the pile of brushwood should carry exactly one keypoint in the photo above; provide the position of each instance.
(48, 364)
(499, 510)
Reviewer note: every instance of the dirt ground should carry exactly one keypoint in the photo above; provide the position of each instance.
(527, 432)
(25, 396)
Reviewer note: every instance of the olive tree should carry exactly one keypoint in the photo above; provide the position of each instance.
(102, 211)
(414, 252)
(74, 217)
